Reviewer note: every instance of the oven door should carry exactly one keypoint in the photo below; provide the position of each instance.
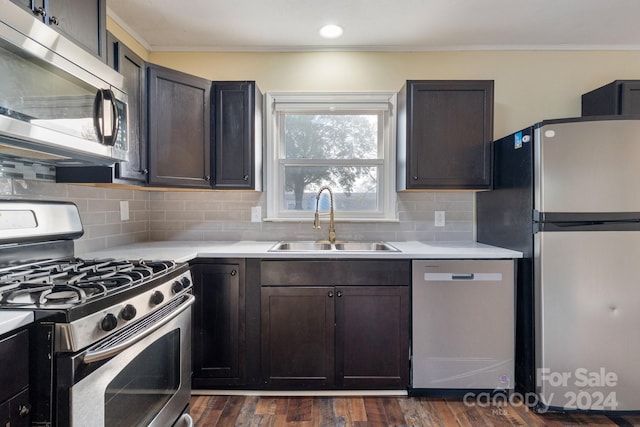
(140, 377)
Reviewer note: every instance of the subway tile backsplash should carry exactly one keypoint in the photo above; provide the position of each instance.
(227, 216)
(223, 216)
(22, 169)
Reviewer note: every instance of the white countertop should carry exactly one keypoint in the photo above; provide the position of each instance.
(13, 319)
(182, 251)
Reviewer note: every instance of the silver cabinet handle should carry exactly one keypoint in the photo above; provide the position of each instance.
(39, 11)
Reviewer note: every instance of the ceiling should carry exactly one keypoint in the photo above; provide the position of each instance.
(393, 25)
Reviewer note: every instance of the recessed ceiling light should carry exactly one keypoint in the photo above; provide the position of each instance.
(331, 31)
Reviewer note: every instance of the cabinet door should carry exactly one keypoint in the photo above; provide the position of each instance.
(25, 4)
(448, 134)
(372, 332)
(132, 67)
(14, 364)
(617, 97)
(630, 97)
(234, 134)
(178, 134)
(298, 337)
(14, 412)
(218, 324)
(84, 21)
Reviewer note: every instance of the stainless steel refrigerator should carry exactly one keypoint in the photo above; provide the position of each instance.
(567, 194)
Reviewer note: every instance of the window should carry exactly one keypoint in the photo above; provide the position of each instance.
(345, 141)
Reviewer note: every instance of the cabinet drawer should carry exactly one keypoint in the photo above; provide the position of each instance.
(14, 364)
(335, 272)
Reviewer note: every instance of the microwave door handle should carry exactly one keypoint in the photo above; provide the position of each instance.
(105, 117)
(98, 119)
(114, 119)
(104, 353)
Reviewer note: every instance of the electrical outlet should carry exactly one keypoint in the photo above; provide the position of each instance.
(256, 214)
(439, 219)
(124, 210)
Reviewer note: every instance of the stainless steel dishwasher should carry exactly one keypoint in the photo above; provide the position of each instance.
(463, 319)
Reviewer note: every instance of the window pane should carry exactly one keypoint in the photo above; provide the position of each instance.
(331, 136)
(354, 188)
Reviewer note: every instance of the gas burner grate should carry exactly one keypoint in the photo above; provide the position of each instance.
(73, 281)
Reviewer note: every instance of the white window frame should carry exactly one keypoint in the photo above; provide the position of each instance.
(276, 102)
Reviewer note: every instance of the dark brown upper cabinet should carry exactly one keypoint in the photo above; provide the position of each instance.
(445, 130)
(83, 21)
(134, 170)
(133, 68)
(236, 129)
(619, 97)
(179, 122)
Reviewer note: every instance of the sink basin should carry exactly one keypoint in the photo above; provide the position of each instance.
(343, 246)
(301, 246)
(365, 246)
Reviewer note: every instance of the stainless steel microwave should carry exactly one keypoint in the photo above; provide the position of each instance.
(58, 103)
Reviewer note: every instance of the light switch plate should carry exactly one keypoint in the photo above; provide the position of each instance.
(256, 214)
(439, 219)
(124, 210)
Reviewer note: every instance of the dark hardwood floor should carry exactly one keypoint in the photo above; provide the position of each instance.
(378, 411)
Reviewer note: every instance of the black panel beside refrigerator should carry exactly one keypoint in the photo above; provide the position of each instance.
(504, 218)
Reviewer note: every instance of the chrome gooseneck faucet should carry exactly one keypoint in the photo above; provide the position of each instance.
(316, 221)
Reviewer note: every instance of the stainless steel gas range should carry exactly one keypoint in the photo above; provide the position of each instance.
(111, 345)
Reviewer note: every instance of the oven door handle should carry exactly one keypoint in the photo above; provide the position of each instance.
(105, 353)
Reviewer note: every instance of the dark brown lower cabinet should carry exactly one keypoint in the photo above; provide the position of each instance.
(372, 336)
(218, 324)
(14, 379)
(298, 336)
(335, 336)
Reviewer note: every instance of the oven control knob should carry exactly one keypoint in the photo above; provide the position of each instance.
(128, 312)
(176, 287)
(185, 282)
(157, 297)
(109, 322)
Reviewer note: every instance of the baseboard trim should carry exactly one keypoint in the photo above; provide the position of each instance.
(295, 393)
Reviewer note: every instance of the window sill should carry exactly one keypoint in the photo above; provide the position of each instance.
(337, 220)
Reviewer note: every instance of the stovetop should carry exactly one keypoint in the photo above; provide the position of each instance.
(89, 300)
(59, 284)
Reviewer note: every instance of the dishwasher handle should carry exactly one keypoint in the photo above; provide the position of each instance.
(462, 277)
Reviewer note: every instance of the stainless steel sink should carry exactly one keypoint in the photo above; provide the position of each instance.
(366, 246)
(342, 246)
(301, 246)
